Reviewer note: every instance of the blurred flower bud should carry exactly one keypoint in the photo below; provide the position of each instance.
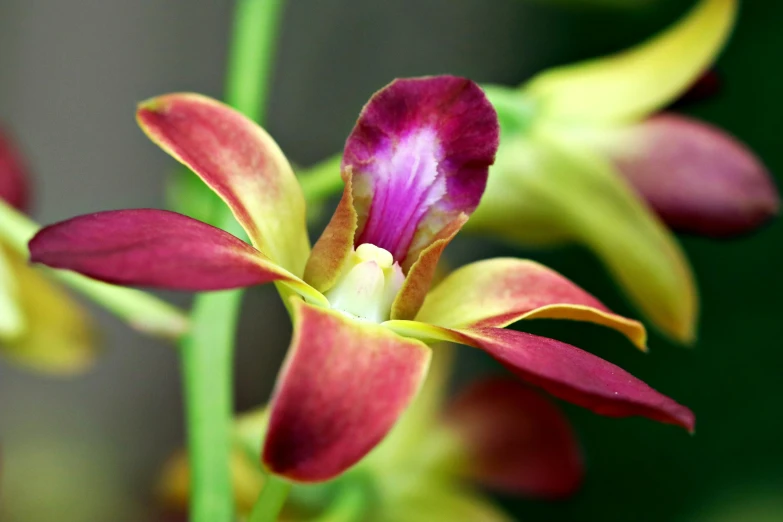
(696, 177)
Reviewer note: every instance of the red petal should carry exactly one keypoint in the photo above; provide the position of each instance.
(14, 188)
(342, 388)
(154, 248)
(517, 440)
(577, 376)
(239, 161)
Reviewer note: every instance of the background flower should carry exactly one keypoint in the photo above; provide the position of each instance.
(41, 328)
(582, 160)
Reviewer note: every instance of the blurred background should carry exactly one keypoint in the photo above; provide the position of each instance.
(89, 449)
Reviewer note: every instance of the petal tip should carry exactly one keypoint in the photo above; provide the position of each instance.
(688, 421)
(155, 104)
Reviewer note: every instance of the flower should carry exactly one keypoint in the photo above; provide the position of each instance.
(414, 167)
(585, 158)
(497, 433)
(41, 328)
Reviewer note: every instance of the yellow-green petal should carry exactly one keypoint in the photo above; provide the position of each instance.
(634, 83)
(12, 320)
(500, 291)
(240, 162)
(59, 338)
(544, 190)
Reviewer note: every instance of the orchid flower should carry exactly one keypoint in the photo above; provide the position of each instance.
(415, 166)
(41, 328)
(585, 158)
(497, 433)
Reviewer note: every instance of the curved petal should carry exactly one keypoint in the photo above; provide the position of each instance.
(501, 291)
(637, 82)
(562, 370)
(342, 387)
(696, 177)
(404, 443)
(516, 439)
(241, 163)
(157, 248)
(14, 179)
(418, 158)
(12, 317)
(59, 337)
(420, 276)
(335, 244)
(547, 190)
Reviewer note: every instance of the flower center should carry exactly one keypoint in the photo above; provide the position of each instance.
(368, 284)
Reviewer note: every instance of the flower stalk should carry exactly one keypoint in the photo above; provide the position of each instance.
(208, 352)
(271, 500)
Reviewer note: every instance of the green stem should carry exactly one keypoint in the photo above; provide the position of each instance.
(141, 310)
(349, 506)
(207, 359)
(251, 56)
(208, 351)
(271, 500)
(322, 179)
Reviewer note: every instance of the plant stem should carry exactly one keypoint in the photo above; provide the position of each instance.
(141, 310)
(322, 179)
(251, 56)
(208, 352)
(349, 506)
(271, 500)
(207, 359)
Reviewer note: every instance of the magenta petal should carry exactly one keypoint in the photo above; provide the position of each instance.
(419, 157)
(154, 248)
(696, 177)
(517, 440)
(14, 188)
(341, 389)
(578, 376)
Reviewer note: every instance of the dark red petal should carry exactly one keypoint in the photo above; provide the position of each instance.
(517, 440)
(154, 248)
(706, 86)
(577, 376)
(14, 184)
(342, 387)
(696, 177)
